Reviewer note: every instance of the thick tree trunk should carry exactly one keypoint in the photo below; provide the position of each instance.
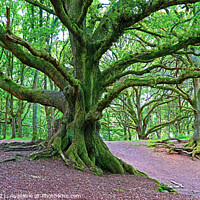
(142, 137)
(77, 141)
(141, 131)
(195, 139)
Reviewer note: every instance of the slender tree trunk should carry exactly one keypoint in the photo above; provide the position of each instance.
(20, 103)
(13, 127)
(129, 134)
(1, 117)
(48, 113)
(158, 115)
(19, 126)
(35, 132)
(6, 116)
(19, 118)
(13, 117)
(108, 122)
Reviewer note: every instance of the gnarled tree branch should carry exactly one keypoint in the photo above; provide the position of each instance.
(32, 61)
(95, 113)
(120, 65)
(164, 124)
(46, 56)
(119, 18)
(40, 5)
(44, 97)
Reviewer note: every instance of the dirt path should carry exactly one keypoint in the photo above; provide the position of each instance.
(160, 165)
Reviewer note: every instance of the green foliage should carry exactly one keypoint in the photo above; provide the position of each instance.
(20, 139)
(149, 34)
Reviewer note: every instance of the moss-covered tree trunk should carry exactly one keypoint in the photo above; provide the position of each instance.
(78, 141)
(195, 139)
(77, 138)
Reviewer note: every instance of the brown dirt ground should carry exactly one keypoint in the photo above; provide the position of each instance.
(51, 179)
(167, 168)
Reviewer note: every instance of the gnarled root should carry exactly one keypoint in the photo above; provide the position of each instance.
(12, 159)
(195, 145)
(191, 148)
(101, 160)
(22, 146)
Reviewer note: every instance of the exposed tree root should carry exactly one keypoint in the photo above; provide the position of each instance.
(22, 146)
(98, 158)
(12, 159)
(191, 148)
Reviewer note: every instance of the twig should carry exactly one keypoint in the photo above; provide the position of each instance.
(177, 184)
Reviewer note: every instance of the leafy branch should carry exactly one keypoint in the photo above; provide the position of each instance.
(40, 5)
(164, 124)
(120, 65)
(122, 16)
(46, 56)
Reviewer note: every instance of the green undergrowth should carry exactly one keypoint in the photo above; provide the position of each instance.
(163, 187)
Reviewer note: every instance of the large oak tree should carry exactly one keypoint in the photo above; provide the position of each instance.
(89, 88)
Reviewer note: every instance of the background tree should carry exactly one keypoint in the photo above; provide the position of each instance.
(191, 95)
(139, 108)
(144, 112)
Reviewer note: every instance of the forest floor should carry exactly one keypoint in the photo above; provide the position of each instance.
(51, 179)
(178, 171)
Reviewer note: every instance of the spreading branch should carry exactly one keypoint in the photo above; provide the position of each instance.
(120, 65)
(164, 124)
(40, 5)
(155, 105)
(95, 113)
(183, 94)
(119, 18)
(146, 31)
(160, 99)
(86, 4)
(32, 61)
(46, 56)
(44, 97)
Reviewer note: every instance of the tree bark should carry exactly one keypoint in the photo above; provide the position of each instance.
(194, 141)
